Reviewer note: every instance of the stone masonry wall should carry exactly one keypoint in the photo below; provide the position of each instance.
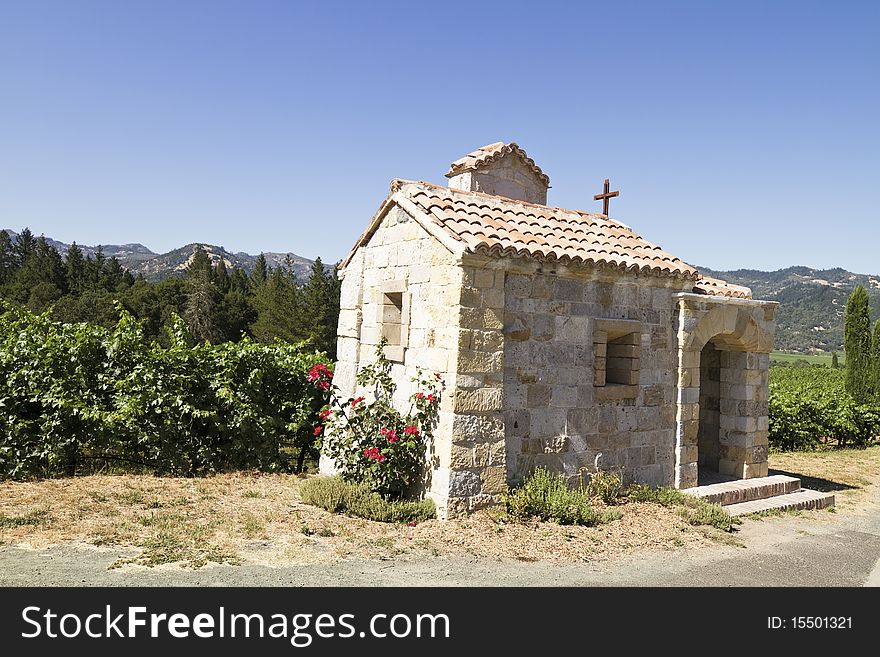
(401, 250)
(553, 415)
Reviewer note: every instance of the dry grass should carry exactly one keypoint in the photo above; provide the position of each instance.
(848, 473)
(260, 519)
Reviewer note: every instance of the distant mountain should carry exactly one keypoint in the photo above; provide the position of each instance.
(812, 302)
(155, 267)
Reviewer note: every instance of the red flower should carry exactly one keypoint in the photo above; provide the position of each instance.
(320, 375)
(324, 414)
(411, 430)
(373, 454)
(420, 395)
(355, 402)
(431, 398)
(390, 434)
(317, 431)
(437, 375)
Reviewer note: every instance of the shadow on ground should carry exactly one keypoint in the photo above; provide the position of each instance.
(816, 483)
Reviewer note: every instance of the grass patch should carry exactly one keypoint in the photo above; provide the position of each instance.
(337, 496)
(252, 494)
(546, 496)
(32, 519)
(692, 510)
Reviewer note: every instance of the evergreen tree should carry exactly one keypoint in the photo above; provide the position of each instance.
(112, 275)
(835, 362)
(320, 309)
(201, 309)
(24, 245)
(8, 257)
(75, 269)
(857, 343)
(276, 304)
(260, 274)
(221, 277)
(239, 282)
(875, 360)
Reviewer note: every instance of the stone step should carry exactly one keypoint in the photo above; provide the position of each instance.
(746, 490)
(801, 499)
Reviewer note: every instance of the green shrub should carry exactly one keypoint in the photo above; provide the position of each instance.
(604, 485)
(338, 496)
(809, 407)
(694, 510)
(74, 397)
(546, 496)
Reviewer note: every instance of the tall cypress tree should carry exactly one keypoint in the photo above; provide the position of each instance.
(857, 343)
(875, 360)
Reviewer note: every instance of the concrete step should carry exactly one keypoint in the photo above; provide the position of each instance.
(746, 490)
(801, 499)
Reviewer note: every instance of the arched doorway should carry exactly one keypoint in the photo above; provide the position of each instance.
(723, 369)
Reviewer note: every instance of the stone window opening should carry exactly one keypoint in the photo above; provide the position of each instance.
(616, 358)
(394, 318)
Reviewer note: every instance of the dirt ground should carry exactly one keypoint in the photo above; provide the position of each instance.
(247, 521)
(259, 519)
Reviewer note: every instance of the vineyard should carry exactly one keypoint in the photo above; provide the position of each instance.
(810, 408)
(79, 398)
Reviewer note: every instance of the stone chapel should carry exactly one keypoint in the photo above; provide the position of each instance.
(565, 338)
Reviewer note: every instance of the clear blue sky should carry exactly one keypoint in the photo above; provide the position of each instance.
(741, 134)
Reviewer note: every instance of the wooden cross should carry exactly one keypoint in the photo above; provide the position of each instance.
(605, 196)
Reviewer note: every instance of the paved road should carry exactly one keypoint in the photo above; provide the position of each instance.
(822, 550)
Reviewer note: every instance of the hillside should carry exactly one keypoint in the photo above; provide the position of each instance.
(812, 302)
(155, 266)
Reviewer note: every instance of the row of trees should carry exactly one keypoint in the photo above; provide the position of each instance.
(218, 304)
(862, 347)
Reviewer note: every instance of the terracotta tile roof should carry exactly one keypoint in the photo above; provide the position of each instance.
(473, 222)
(500, 226)
(718, 288)
(487, 154)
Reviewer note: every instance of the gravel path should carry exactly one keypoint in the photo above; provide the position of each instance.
(814, 549)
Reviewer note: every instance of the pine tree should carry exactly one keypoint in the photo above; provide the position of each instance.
(75, 269)
(201, 309)
(24, 245)
(261, 271)
(220, 277)
(8, 257)
(276, 305)
(857, 343)
(320, 309)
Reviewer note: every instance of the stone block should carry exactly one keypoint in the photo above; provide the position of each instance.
(538, 395)
(615, 392)
(653, 396)
(474, 428)
(584, 421)
(484, 278)
(463, 483)
(481, 400)
(493, 480)
(563, 396)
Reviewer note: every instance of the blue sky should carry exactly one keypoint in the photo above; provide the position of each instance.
(740, 134)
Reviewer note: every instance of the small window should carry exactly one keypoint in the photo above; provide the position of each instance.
(616, 345)
(394, 318)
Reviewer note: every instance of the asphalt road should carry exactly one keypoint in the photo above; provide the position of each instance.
(815, 549)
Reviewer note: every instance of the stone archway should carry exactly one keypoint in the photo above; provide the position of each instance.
(723, 365)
